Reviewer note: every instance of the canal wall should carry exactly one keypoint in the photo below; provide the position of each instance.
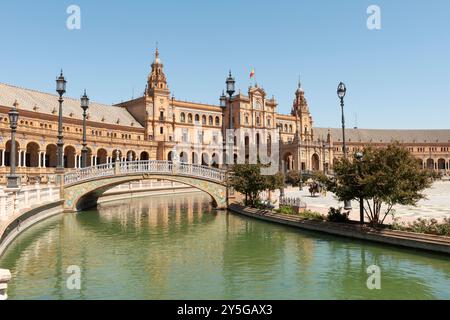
(412, 240)
(21, 221)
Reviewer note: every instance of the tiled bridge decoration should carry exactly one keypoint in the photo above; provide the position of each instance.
(83, 187)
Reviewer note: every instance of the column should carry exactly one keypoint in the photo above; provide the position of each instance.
(24, 164)
(3, 157)
(44, 165)
(19, 159)
(39, 159)
(95, 160)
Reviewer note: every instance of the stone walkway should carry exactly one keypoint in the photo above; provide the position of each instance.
(437, 204)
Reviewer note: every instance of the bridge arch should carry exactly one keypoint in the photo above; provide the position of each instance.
(83, 187)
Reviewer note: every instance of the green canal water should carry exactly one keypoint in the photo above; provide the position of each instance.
(177, 247)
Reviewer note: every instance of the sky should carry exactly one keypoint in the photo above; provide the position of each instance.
(396, 77)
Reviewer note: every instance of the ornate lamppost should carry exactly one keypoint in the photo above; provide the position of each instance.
(223, 105)
(13, 180)
(341, 91)
(282, 164)
(84, 105)
(359, 157)
(61, 89)
(230, 90)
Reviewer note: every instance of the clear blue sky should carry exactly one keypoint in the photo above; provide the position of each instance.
(397, 77)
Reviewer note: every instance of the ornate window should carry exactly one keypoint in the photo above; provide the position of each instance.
(190, 118)
(182, 117)
(210, 120)
(217, 121)
(203, 119)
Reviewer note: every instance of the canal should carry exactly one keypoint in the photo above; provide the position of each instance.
(177, 247)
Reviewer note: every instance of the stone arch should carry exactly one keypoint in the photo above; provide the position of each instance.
(288, 160)
(32, 152)
(215, 160)
(131, 155)
(102, 156)
(116, 154)
(50, 156)
(170, 155)
(184, 157)
(144, 155)
(85, 195)
(69, 156)
(420, 163)
(315, 162)
(441, 164)
(194, 158)
(205, 159)
(8, 153)
(430, 164)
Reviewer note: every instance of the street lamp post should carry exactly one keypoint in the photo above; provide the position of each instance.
(13, 180)
(230, 90)
(61, 89)
(84, 151)
(282, 165)
(359, 157)
(341, 91)
(223, 105)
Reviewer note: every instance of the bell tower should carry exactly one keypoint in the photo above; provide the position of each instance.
(157, 79)
(302, 115)
(158, 106)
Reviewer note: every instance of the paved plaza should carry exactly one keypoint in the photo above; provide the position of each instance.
(437, 204)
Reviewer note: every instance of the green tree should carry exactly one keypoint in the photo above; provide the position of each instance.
(388, 176)
(248, 180)
(294, 178)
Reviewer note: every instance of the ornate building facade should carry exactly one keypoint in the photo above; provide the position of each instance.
(151, 126)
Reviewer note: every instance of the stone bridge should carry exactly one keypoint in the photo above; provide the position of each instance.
(82, 188)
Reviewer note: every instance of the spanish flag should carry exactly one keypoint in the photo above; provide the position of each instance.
(252, 73)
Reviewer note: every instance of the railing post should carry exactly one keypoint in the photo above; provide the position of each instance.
(26, 194)
(38, 192)
(15, 201)
(117, 168)
(3, 197)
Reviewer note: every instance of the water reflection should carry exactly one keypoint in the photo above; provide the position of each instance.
(177, 247)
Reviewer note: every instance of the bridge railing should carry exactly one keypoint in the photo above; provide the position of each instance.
(101, 170)
(144, 166)
(26, 197)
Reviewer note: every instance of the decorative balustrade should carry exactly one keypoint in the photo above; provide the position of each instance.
(26, 197)
(143, 167)
(292, 202)
(101, 170)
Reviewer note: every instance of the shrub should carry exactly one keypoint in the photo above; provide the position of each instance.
(311, 215)
(336, 215)
(431, 226)
(285, 210)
